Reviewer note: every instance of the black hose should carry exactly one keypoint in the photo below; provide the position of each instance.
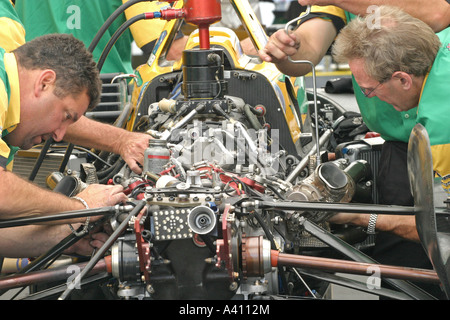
(104, 172)
(40, 159)
(116, 168)
(66, 158)
(251, 117)
(116, 36)
(109, 22)
(91, 49)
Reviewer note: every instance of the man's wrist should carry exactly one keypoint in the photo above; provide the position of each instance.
(82, 201)
(371, 227)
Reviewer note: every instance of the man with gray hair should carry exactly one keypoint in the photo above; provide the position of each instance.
(397, 241)
(400, 60)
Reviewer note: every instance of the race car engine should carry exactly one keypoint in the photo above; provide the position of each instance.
(212, 158)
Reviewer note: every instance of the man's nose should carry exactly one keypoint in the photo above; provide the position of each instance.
(59, 133)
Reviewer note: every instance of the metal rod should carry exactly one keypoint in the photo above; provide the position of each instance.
(313, 70)
(40, 159)
(68, 215)
(203, 34)
(353, 284)
(351, 252)
(48, 275)
(345, 266)
(337, 207)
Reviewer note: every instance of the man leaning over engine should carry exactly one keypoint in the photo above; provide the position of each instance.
(46, 85)
(397, 241)
(404, 63)
(45, 88)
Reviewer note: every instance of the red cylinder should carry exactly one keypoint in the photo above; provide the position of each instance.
(202, 12)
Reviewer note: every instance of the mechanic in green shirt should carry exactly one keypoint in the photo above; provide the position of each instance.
(406, 64)
(85, 132)
(310, 41)
(403, 62)
(397, 241)
(45, 86)
(27, 117)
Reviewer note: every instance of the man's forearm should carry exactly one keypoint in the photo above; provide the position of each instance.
(436, 13)
(402, 226)
(20, 198)
(30, 241)
(314, 36)
(94, 134)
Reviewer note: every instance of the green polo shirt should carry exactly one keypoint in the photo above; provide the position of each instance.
(378, 115)
(381, 117)
(434, 107)
(83, 19)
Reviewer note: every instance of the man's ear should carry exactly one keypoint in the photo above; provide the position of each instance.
(44, 81)
(404, 78)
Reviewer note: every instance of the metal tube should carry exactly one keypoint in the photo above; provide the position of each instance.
(354, 254)
(203, 34)
(337, 207)
(166, 134)
(40, 159)
(303, 163)
(313, 70)
(48, 275)
(345, 266)
(68, 215)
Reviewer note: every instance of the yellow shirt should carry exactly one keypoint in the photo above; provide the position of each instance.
(12, 33)
(9, 104)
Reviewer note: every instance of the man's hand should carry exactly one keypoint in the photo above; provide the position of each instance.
(132, 148)
(101, 136)
(99, 195)
(86, 245)
(279, 47)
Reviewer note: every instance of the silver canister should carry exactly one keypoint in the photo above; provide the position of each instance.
(156, 156)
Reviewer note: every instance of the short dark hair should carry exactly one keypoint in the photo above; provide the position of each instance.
(73, 64)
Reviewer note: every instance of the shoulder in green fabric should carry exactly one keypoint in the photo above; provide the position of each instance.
(64, 16)
(380, 116)
(4, 78)
(83, 19)
(434, 104)
(349, 16)
(7, 10)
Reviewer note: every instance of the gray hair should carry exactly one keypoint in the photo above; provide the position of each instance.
(397, 42)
